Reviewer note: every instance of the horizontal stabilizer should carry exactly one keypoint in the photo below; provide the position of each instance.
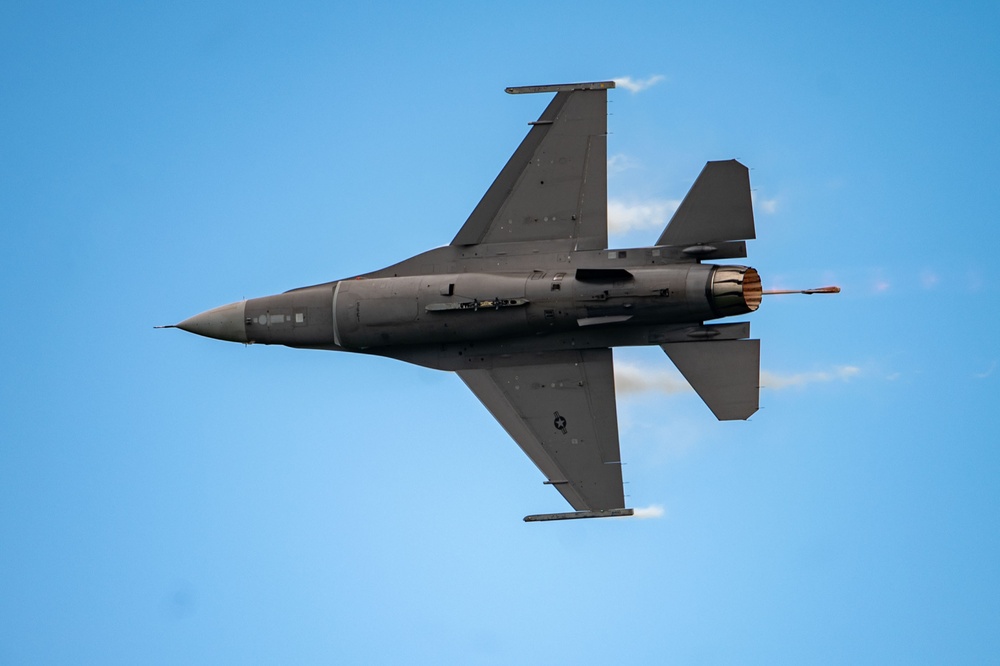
(717, 208)
(724, 373)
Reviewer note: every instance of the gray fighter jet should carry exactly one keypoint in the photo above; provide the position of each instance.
(527, 301)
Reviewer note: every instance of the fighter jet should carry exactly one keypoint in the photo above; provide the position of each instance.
(527, 301)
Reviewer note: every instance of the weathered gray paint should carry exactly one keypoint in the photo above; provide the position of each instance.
(548, 404)
(527, 301)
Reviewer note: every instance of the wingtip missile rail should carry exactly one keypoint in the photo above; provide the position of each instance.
(574, 515)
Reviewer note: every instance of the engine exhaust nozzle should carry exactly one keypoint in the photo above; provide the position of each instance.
(735, 290)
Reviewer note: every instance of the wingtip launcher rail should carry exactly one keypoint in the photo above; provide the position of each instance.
(573, 515)
(560, 87)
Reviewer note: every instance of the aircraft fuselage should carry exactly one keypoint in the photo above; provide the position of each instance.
(387, 314)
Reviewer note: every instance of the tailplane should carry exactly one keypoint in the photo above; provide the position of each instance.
(717, 208)
(724, 373)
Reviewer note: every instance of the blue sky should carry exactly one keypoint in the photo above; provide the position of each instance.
(169, 499)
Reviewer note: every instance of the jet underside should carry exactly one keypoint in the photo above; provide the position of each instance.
(527, 302)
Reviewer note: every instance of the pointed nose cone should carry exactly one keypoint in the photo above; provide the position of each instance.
(223, 323)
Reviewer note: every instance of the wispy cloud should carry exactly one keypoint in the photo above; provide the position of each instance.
(637, 85)
(768, 206)
(774, 380)
(620, 162)
(651, 214)
(631, 379)
(652, 511)
(988, 372)
(975, 280)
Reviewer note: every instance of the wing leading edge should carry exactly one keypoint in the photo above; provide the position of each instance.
(560, 409)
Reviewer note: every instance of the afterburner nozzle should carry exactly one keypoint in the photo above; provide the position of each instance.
(735, 290)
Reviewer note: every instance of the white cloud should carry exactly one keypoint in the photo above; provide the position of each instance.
(773, 380)
(619, 162)
(929, 279)
(652, 511)
(768, 206)
(630, 379)
(652, 214)
(637, 85)
(989, 371)
(975, 280)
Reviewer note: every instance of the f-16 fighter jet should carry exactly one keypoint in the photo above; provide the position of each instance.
(527, 301)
